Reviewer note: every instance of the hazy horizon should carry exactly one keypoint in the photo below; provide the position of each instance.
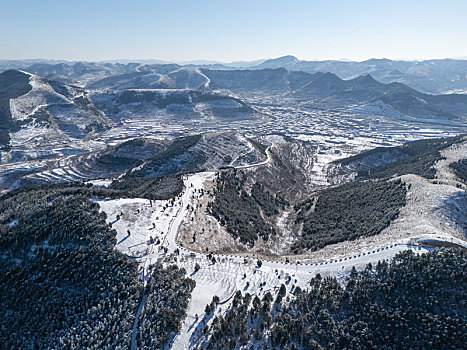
(209, 61)
(222, 31)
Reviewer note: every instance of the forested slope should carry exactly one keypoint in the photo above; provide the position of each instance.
(242, 213)
(416, 157)
(62, 283)
(460, 169)
(347, 212)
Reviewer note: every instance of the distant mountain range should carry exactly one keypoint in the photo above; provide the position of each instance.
(67, 102)
(328, 89)
(429, 76)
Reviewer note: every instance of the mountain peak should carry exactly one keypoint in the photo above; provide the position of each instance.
(283, 60)
(365, 79)
(328, 77)
(376, 60)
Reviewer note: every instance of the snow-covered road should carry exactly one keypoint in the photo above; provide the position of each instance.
(264, 162)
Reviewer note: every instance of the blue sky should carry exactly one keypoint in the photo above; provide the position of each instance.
(220, 30)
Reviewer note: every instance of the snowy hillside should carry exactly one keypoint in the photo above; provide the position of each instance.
(51, 115)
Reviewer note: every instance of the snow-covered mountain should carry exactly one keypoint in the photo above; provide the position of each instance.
(148, 157)
(44, 118)
(183, 103)
(41, 117)
(41, 111)
(154, 77)
(270, 80)
(331, 91)
(429, 76)
(408, 103)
